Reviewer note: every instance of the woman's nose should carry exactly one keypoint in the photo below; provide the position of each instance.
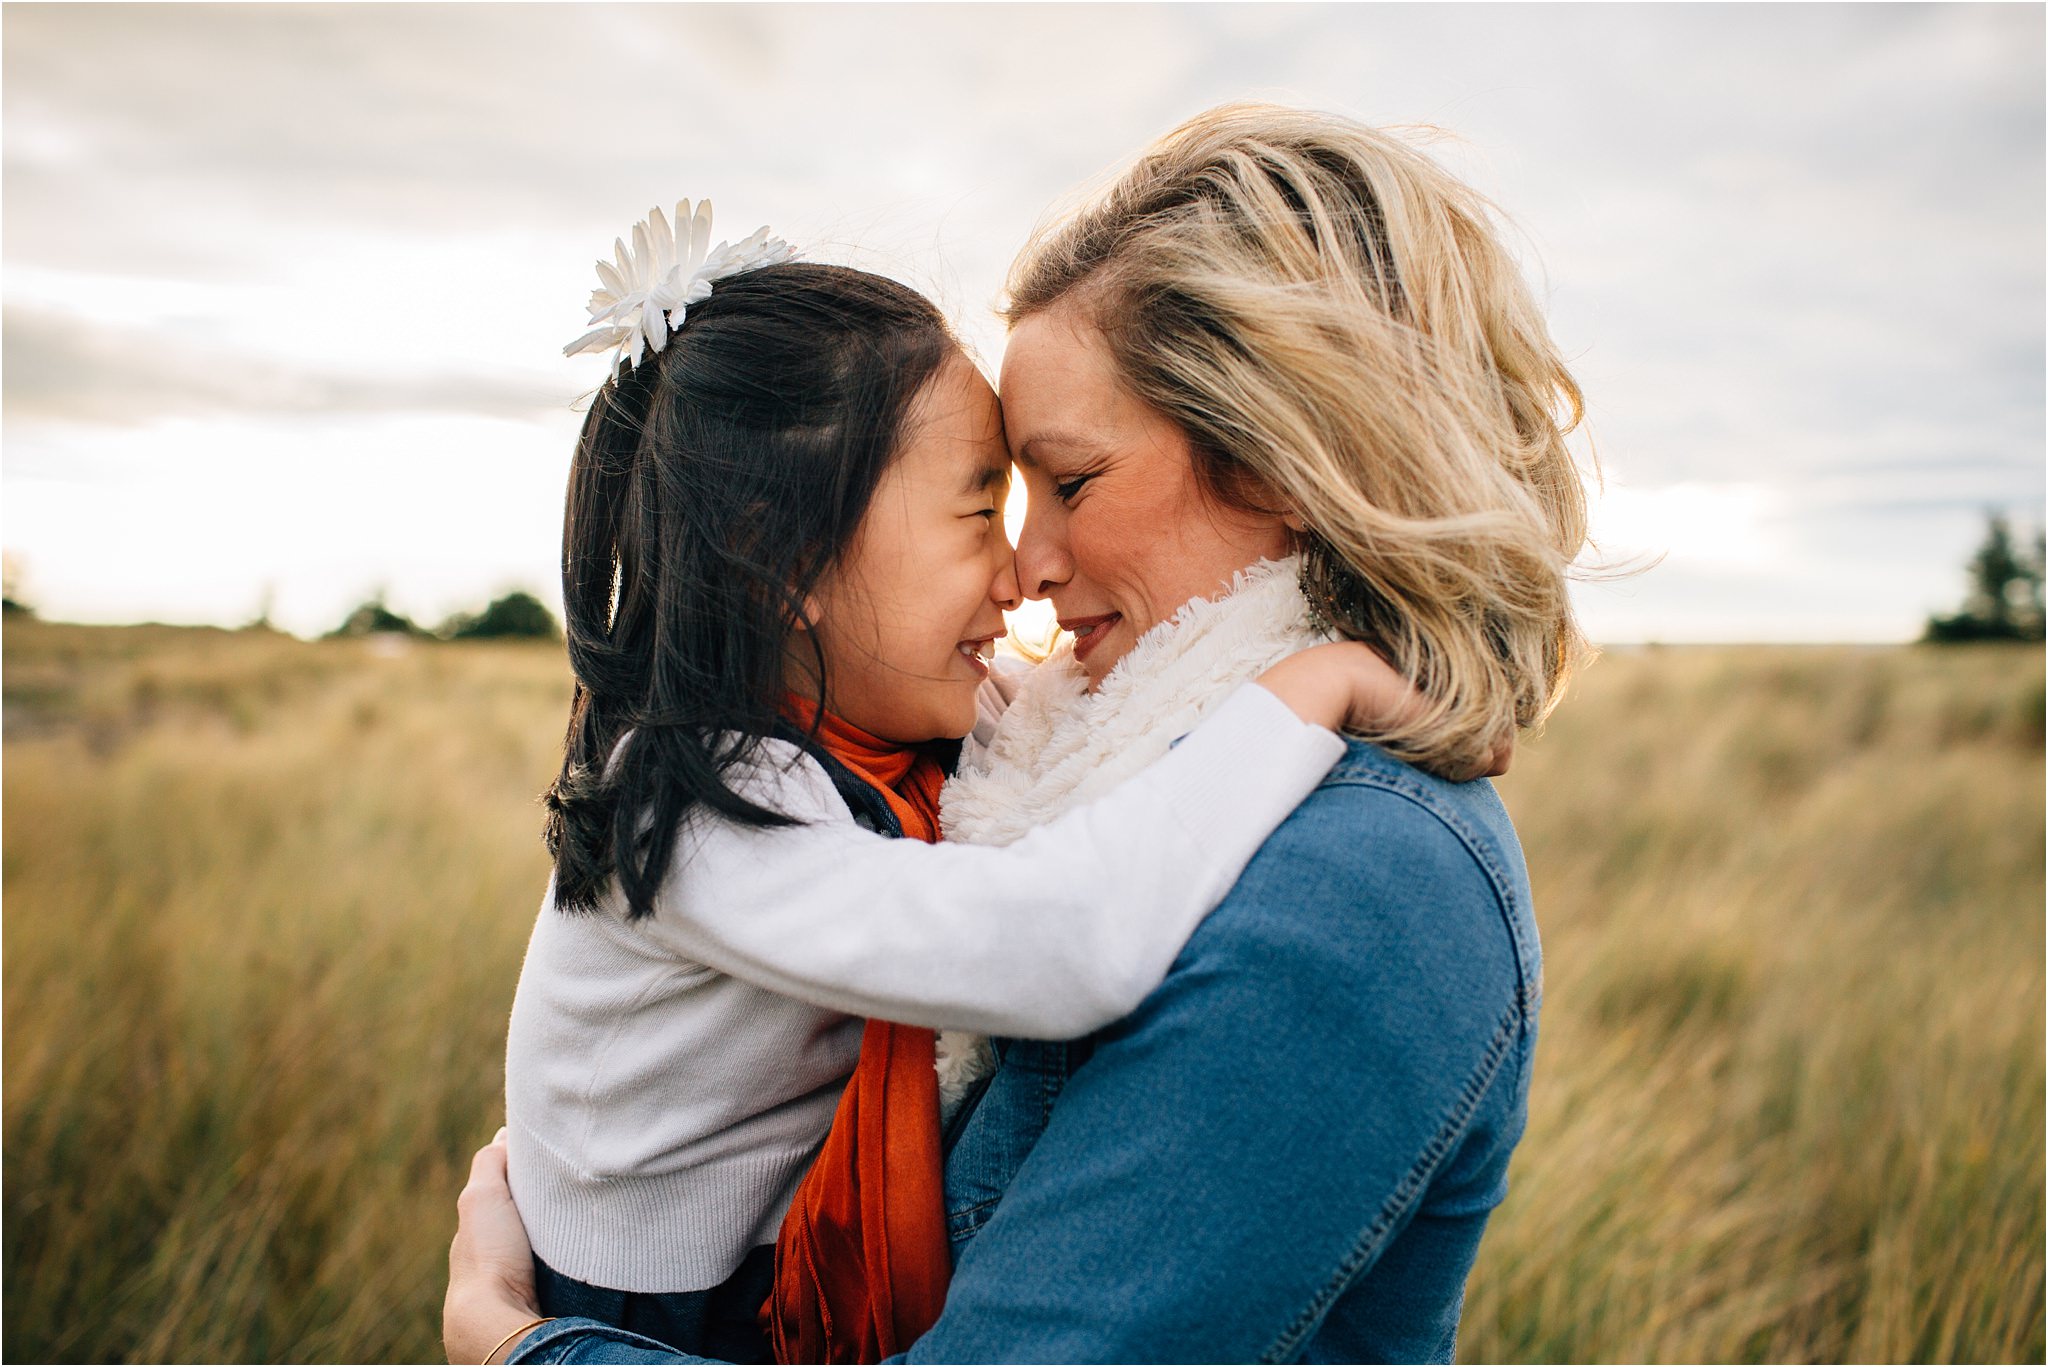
(1043, 561)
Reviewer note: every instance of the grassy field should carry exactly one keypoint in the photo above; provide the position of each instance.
(266, 901)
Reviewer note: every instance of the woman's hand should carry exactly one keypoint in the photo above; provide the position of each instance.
(1347, 686)
(490, 1264)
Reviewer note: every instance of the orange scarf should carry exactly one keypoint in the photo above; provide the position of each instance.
(862, 1262)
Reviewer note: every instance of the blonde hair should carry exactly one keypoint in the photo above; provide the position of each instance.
(1331, 319)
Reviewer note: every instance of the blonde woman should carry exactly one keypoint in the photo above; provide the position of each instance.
(1279, 381)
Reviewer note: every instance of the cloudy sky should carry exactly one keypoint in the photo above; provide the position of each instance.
(285, 287)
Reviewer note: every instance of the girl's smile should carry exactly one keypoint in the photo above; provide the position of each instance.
(980, 652)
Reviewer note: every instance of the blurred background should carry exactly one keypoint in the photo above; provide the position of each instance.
(284, 294)
(286, 286)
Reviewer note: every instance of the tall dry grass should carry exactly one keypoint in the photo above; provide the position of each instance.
(266, 900)
(1789, 1095)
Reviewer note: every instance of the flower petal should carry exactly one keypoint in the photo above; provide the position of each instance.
(597, 339)
(700, 231)
(609, 278)
(685, 231)
(643, 257)
(663, 240)
(671, 288)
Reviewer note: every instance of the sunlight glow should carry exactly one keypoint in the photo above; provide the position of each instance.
(1725, 526)
(1032, 625)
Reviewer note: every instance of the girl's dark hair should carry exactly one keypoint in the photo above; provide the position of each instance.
(713, 485)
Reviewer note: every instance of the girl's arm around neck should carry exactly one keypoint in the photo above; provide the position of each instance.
(1051, 937)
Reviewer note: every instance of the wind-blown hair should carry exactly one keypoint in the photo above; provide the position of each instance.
(1332, 321)
(713, 485)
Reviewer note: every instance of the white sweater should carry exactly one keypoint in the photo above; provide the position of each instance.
(668, 1080)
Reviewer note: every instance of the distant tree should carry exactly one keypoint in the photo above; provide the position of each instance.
(375, 616)
(518, 613)
(2004, 601)
(2029, 609)
(265, 606)
(12, 600)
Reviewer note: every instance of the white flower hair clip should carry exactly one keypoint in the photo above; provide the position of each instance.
(643, 297)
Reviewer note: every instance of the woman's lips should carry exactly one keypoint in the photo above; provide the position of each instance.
(1089, 631)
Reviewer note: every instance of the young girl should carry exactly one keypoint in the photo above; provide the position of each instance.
(783, 573)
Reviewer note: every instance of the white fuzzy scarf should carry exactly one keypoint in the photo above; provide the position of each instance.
(1058, 745)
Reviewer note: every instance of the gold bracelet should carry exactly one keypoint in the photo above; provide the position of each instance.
(516, 1333)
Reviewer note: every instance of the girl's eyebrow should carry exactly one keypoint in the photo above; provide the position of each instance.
(988, 477)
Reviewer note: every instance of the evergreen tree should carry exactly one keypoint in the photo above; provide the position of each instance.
(2028, 614)
(2004, 601)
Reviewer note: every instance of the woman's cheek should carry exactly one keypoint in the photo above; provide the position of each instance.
(1085, 543)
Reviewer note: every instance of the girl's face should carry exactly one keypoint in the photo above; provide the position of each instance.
(1119, 534)
(906, 613)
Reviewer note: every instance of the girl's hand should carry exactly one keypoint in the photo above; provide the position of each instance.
(490, 1264)
(1346, 686)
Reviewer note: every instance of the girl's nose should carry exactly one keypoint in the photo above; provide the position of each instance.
(1003, 589)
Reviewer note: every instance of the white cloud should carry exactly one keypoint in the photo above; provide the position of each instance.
(1705, 526)
(1796, 252)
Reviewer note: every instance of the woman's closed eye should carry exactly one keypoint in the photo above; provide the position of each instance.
(1066, 489)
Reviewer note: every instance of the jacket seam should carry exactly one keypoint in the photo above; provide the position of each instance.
(1368, 1245)
(1506, 903)
(963, 1222)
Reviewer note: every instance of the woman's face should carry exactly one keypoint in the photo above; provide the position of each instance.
(1118, 533)
(903, 616)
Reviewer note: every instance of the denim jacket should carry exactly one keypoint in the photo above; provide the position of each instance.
(1290, 1150)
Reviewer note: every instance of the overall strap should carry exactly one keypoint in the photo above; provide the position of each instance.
(869, 807)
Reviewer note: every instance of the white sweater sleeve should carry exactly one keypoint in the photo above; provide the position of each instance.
(1051, 937)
